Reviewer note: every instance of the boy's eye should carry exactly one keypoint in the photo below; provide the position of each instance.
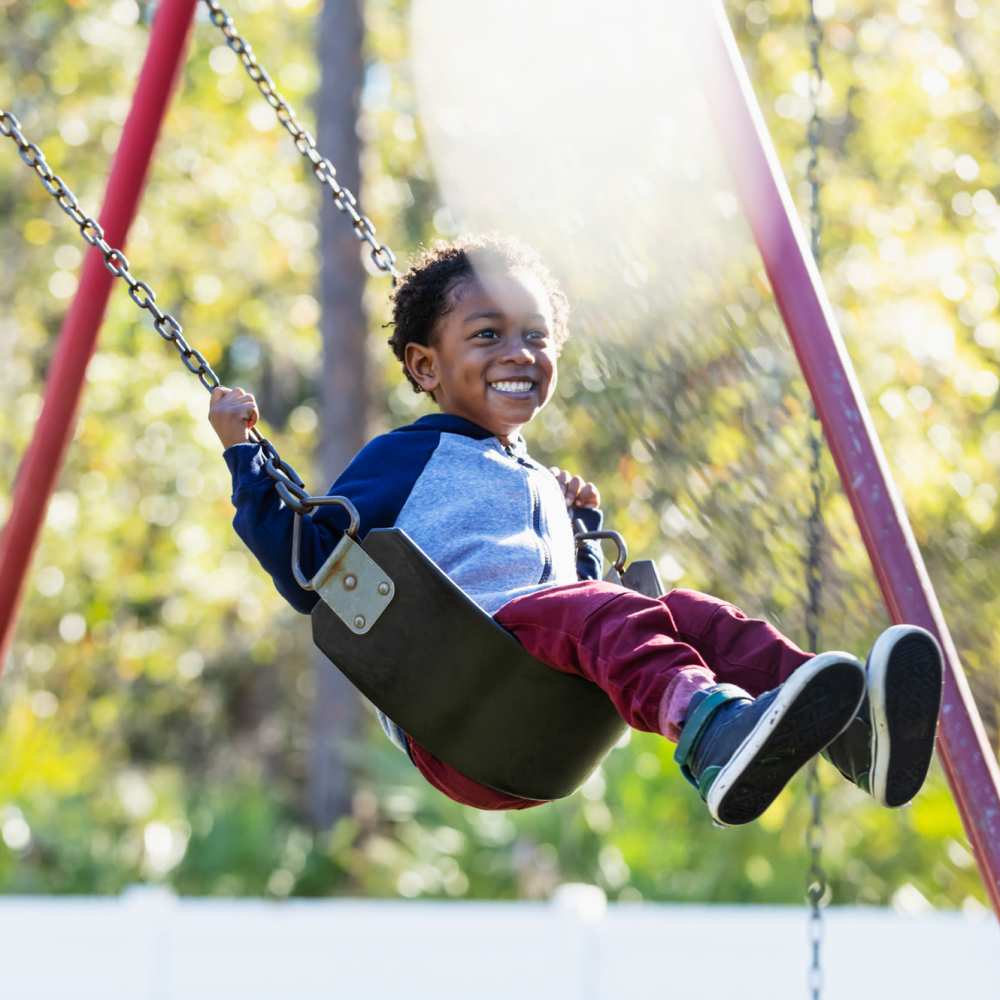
(538, 334)
(488, 334)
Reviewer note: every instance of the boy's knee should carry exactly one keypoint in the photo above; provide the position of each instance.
(694, 611)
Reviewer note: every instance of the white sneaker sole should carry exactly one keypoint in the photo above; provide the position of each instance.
(904, 692)
(813, 707)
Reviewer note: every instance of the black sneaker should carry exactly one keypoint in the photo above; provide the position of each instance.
(739, 751)
(887, 748)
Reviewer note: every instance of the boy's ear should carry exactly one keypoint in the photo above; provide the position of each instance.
(420, 363)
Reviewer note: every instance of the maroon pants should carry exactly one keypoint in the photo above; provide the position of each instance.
(632, 647)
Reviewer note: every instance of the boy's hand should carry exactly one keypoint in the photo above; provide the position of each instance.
(232, 412)
(578, 493)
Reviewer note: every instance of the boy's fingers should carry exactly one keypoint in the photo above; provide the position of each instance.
(573, 487)
(235, 398)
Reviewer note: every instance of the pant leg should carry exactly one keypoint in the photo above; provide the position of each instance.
(749, 652)
(626, 643)
(622, 641)
(648, 655)
(457, 786)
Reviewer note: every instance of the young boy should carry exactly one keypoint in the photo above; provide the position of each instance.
(478, 327)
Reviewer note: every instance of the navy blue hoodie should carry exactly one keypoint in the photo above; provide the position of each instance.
(493, 519)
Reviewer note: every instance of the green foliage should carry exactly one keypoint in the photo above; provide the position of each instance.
(153, 708)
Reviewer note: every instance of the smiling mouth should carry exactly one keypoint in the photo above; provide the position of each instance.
(513, 387)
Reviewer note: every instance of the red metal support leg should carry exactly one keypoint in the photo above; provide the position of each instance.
(968, 760)
(43, 458)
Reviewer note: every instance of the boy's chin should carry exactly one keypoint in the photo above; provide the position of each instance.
(526, 406)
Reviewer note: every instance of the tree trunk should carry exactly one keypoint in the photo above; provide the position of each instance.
(344, 398)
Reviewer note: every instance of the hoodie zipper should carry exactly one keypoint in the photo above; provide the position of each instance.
(536, 513)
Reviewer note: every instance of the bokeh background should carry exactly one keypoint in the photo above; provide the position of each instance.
(157, 710)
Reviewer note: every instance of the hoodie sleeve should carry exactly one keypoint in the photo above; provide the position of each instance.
(589, 560)
(377, 481)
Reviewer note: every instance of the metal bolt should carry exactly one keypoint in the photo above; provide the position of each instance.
(383, 588)
(350, 581)
(359, 621)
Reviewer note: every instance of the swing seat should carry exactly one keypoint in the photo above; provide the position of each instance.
(463, 687)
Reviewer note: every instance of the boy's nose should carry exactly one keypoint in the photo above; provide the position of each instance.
(520, 353)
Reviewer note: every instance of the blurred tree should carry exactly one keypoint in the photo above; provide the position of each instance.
(344, 393)
(154, 711)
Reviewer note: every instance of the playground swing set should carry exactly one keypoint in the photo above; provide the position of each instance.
(537, 733)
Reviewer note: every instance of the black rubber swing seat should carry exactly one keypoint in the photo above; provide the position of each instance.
(463, 687)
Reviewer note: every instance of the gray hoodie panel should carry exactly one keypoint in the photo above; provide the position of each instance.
(492, 519)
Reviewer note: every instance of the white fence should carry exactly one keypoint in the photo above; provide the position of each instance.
(148, 945)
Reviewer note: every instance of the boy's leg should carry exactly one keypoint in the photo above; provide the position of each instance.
(625, 643)
(651, 655)
(621, 641)
(887, 748)
(737, 750)
(749, 652)
(634, 649)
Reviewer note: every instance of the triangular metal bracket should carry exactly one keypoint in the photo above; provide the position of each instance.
(354, 586)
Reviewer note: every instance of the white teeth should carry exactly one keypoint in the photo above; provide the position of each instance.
(512, 386)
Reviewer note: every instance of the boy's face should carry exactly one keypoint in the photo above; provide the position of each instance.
(492, 357)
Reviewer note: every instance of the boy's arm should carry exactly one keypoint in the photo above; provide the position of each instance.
(377, 482)
(264, 524)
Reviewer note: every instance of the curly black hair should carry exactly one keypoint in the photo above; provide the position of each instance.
(423, 294)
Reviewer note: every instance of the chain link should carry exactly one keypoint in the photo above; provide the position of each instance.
(817, 886)
(286, 480)
(325, 172)
(114, 260)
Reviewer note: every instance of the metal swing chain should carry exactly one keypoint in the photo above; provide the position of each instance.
(817, 885)
(114, 260)
(326, 173)
(287, 482)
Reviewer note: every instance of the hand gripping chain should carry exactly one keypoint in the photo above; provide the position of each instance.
(287, 482)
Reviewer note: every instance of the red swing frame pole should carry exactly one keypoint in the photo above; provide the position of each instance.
(968, 760)
(78, 336)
